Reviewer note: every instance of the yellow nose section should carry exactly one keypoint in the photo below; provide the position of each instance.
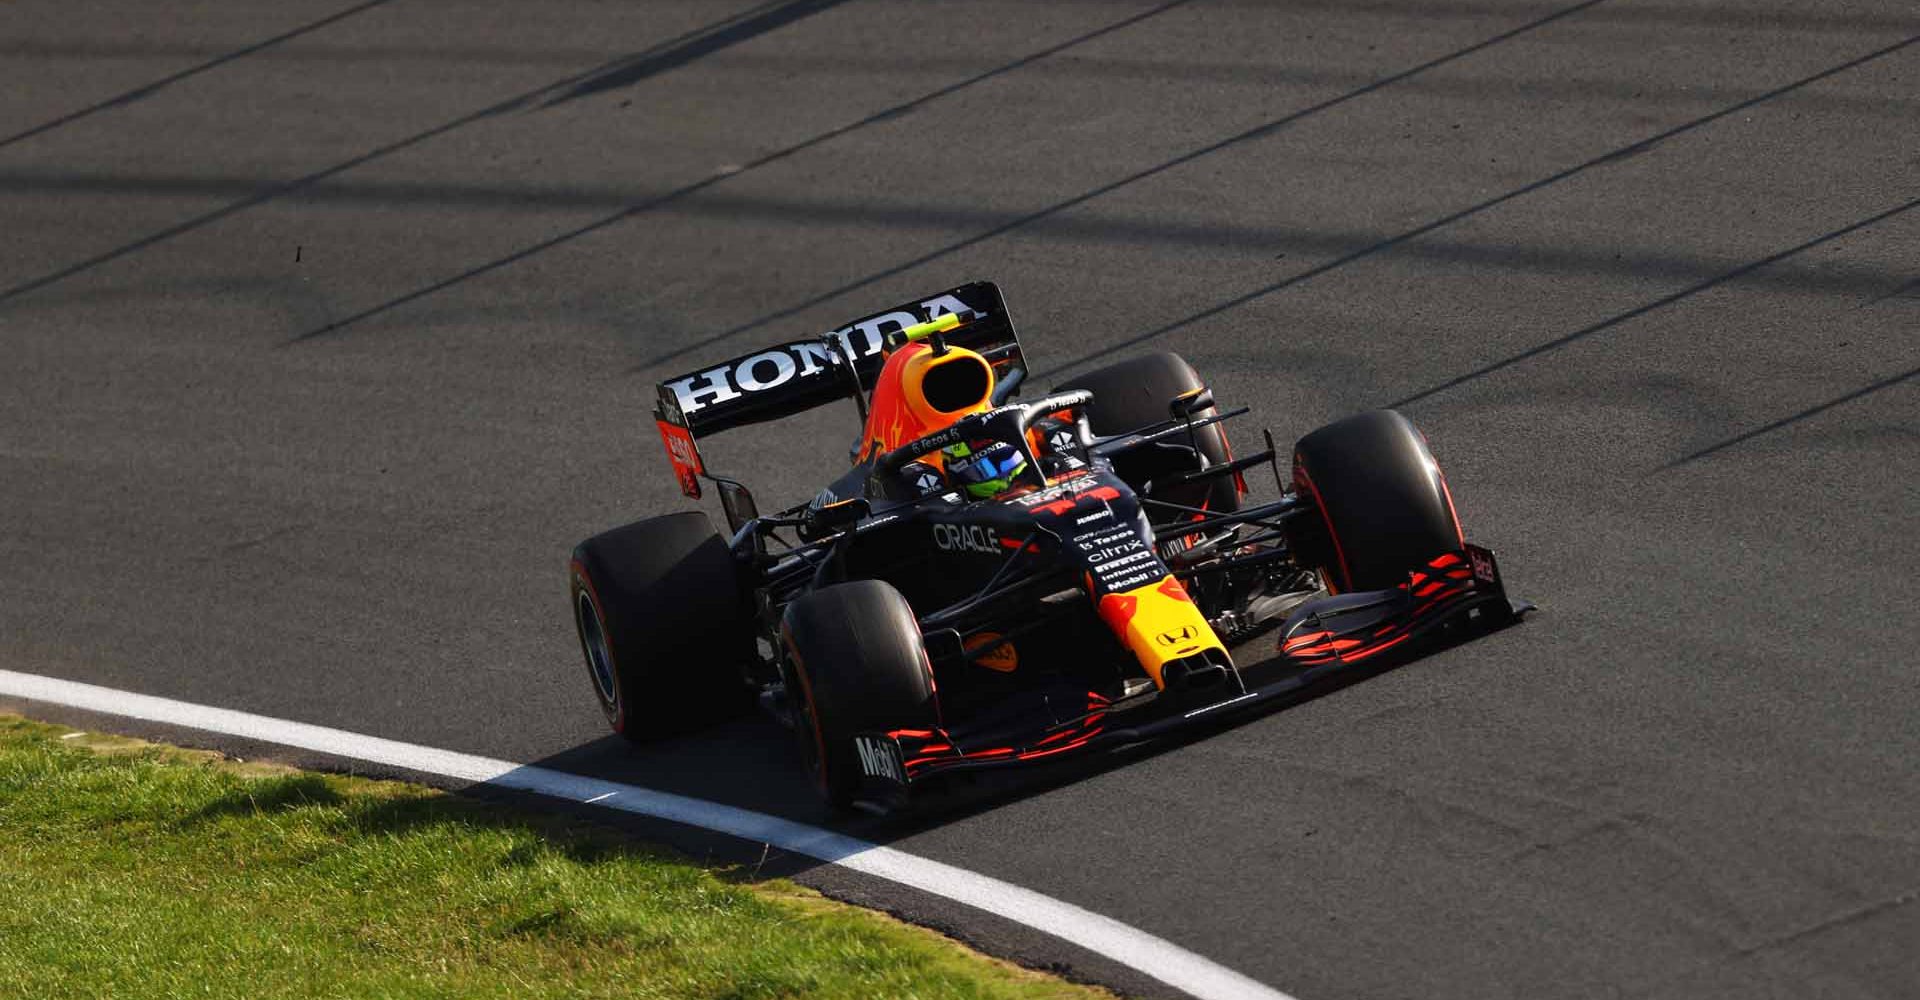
(1160, 624)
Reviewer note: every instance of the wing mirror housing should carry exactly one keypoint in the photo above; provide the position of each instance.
(829, 518)
(737, 501)
(1188, 403)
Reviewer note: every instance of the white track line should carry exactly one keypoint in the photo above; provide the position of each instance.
(1129, 946)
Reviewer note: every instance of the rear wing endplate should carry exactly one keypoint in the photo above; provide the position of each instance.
(794, 377)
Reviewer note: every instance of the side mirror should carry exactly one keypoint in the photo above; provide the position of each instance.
(1188, 403)
(737, 501)
(822, 521)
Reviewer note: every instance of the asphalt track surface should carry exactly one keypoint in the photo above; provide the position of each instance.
(327, 329)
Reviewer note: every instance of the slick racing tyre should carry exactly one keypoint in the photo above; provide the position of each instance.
(1383, 506)
(1135, 393)
(663, 625)
(854, 650)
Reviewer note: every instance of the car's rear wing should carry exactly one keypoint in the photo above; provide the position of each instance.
(791, 378)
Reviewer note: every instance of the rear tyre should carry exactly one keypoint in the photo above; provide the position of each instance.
(1135, 393)
(856, 653)
(662, 625)
(1384, 509)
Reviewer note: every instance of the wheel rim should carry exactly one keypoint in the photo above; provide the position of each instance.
(593, 640)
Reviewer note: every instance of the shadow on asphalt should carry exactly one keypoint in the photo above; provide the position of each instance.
(751, 763)
(1661, 303)
(1347, 255)
(1612, 156)
(1767, 428)
(695, 187)
(147, 90)
(625, 71)
(705, 42)
(1261, 131)
(673, 52)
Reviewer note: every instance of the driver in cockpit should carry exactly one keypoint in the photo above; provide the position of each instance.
(923, 388)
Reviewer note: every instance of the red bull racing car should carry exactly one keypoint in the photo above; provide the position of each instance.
(995, 581)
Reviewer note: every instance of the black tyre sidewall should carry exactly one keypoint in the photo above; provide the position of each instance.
(1384, 506)
(674, 619)
(856, 651)
(1135, 393)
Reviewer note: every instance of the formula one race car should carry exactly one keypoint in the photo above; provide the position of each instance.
(996, 582)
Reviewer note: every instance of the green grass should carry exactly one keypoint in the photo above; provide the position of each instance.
(133, 870)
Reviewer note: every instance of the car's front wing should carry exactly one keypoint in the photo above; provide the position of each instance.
(1456, 591)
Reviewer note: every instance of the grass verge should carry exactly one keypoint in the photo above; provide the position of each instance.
(130, 869)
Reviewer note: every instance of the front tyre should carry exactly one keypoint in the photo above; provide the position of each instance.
(1383, 505)
(855, 654)
(662, 625)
